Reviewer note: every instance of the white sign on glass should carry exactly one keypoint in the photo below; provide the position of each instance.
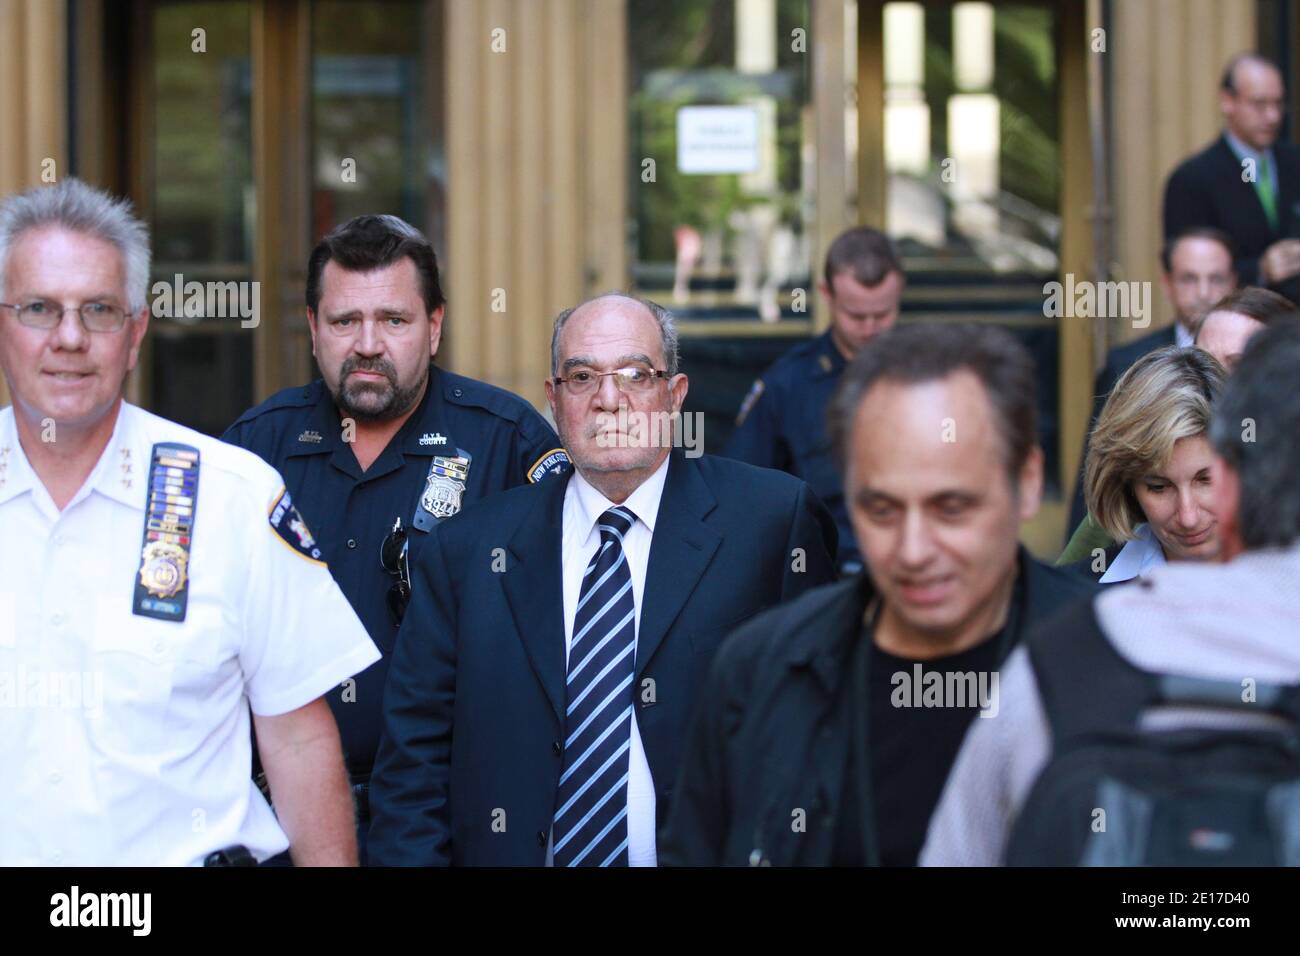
(717, 139)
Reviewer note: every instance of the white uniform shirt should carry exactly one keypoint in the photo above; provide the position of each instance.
(583, 506)
(125, 739)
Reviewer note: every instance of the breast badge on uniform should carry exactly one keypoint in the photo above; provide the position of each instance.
(162, 585)
(551, 463)
(288, 524)
(163, 569)
(445, 486)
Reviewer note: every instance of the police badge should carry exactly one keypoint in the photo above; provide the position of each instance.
(444, 489)
(162, 568)
(442, 496)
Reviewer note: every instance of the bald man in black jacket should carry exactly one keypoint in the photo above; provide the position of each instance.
(1246, 182)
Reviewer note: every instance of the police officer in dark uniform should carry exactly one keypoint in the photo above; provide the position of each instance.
(782, 422)
(387, 444)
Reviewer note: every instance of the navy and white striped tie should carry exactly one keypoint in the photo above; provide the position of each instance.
(590, 827)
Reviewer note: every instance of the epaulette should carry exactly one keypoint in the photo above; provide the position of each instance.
(299, 396)
(460, 390)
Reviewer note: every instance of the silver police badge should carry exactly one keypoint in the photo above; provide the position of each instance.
(442, 496)
(446, 486)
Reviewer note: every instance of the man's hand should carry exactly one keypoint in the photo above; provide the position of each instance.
(1280, 261)
(303, 760)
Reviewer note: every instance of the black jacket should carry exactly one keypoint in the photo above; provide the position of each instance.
(772, 730)
(1208, 190)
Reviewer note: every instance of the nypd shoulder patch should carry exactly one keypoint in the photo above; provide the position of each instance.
(551, 463)
(288, 523)
(750, 399)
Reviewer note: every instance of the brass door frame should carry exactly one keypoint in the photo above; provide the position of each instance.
(280, 55)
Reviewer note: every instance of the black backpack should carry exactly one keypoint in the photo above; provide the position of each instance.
(1114, 795)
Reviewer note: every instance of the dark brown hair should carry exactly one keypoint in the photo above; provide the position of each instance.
(366, 243)
(1197, 232)
(927, 352)
(864, 253)
(1262, 305)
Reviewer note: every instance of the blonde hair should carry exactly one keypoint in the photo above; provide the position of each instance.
(1165, 396)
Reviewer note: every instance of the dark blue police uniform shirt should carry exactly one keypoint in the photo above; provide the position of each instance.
(782, 425)
(350, 512)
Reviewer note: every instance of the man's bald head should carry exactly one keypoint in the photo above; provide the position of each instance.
(1251, 62)
(664, 319)
(1251, 97)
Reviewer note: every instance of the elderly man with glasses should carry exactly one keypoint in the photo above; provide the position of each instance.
(538, 697)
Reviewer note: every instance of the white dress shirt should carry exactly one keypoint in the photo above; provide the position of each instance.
(583, 506)
(124, 740)
(1136, 558)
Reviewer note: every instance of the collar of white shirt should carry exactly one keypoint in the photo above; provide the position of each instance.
(1243, 151)
(1136, 558)
(643, 502)
(1182, 338)
(121, 473)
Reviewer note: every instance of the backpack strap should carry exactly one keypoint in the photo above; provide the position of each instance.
(1280, 699)
(1086, 687)
(1089, 689)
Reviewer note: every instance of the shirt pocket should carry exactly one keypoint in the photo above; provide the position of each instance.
(153, 674)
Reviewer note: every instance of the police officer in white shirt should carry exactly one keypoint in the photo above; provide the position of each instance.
(155, 586)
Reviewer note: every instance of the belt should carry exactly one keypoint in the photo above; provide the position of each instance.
(360, 784)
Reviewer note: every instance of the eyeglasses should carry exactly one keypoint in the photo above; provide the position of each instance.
(634, 378)
(45, 315)
(394, 557)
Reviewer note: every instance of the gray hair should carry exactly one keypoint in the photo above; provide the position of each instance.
(667, 328)
(1254, 428)
(81, 208)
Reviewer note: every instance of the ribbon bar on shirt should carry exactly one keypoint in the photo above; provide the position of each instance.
(162, 582)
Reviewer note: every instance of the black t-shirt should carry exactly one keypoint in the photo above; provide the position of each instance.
(915, 728)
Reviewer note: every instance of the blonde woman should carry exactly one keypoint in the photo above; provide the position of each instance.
(1147, 477)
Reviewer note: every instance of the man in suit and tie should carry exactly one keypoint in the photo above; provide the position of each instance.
(542, 681)
(1196, 272)
(1246, 182)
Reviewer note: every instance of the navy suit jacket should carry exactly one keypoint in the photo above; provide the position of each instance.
(471, 756)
